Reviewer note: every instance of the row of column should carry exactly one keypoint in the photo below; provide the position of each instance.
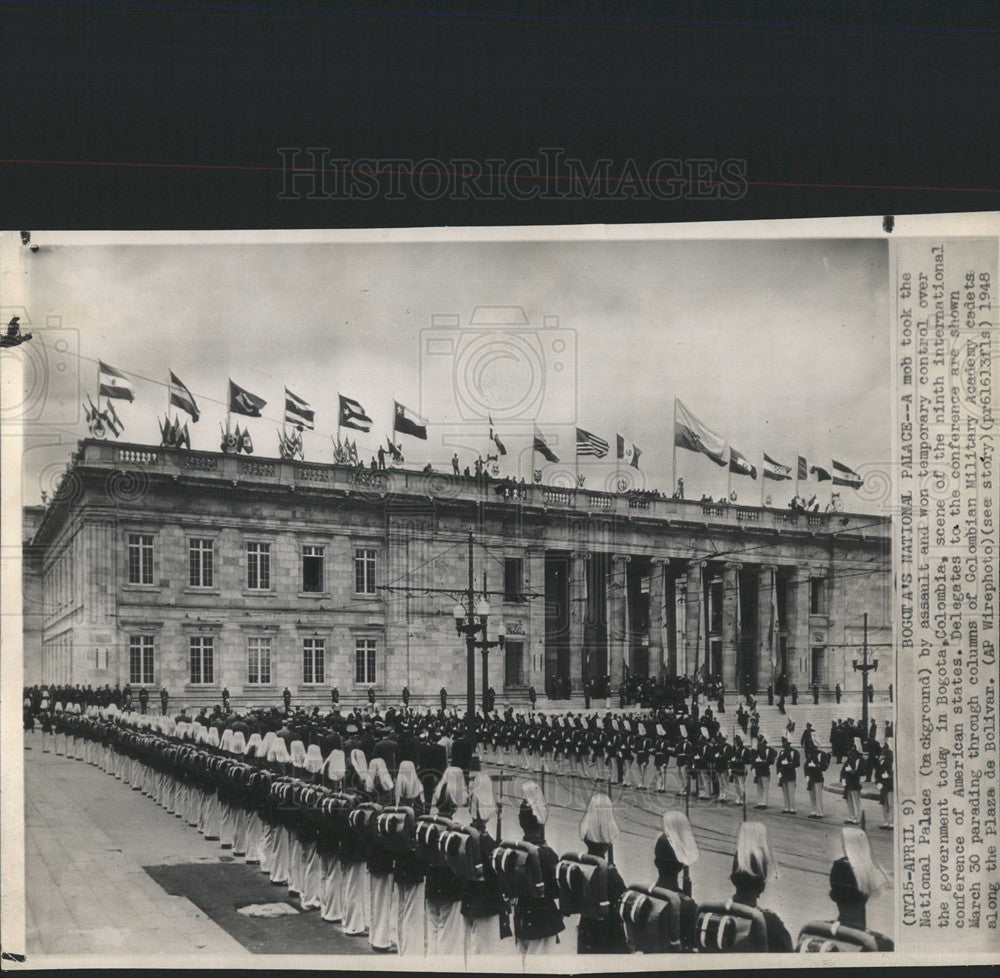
(695, 624)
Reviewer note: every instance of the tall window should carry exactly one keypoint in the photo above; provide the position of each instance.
(140, 558)
(513, 652)
(313, 654)
(364, 572)
(312, 568)
(201, 554)
(202, 649)
(259, 660)
(364, 658)
(258, 566)
(140, 660)
(715, 606)
(817, 596)
(513, 576)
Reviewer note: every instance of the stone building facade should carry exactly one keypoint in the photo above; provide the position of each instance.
(197, 571)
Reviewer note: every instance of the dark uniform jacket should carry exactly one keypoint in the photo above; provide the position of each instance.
(539, 917)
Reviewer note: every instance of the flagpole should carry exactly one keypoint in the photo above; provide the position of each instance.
(673, 468)
(763, 480)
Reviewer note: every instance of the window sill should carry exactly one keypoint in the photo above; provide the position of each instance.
(321, 595)
(142, 588)
(357, 596)
(191, 589)
(201, 687)
(249, 592)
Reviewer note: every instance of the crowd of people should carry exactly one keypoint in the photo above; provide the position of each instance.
(356, 814)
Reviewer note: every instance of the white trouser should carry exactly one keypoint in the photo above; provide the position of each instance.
(356, 898)
(544, 945)
(332, 900)
(410, 918)
(312, 877)
(482, 936)
(383, 912)
(445, 928)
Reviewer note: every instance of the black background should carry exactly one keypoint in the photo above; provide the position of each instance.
(129, 115)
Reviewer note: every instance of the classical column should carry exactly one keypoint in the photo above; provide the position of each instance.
(695, 624)
(534, 650)
(766, 671)
(617, 616)
(658, 637)
(798, 628)
(577, 615)
(730, 623)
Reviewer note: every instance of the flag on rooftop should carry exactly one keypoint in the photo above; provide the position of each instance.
(243, 402)
(739, 464)
(406, 422)
(775, 470)
(822, 475)
(113, 421)
(352, 415)
(692, 434)
(113, 383)
(495, 438)
(299, 412)
(587, 443)
(542, 448)
(628, 452)
(843, 476)
(181, 397)
(802, 470)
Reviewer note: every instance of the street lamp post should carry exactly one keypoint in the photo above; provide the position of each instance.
(864, 668)
(470, 620)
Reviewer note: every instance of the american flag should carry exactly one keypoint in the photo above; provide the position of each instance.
(588, 443)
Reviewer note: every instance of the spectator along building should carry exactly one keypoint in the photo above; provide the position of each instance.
(197, 571)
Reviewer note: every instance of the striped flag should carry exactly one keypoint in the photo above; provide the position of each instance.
(628, 452)
(181, 397)
(406, 422)
(802, 472)
(588, 443)
(739, 464)
(495, 438)
(843, 476)
(352, 415)
(543, 449)
(775, 470)
(113, 383)
(298, 412)
(692, 434)
(822, 475)
(113, 421)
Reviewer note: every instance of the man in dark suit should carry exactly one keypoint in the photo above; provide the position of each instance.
(286, 695)
(387, 747)
(432, 759)
(461, 754)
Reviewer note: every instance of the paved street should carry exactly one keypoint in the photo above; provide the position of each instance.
(110, 872)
